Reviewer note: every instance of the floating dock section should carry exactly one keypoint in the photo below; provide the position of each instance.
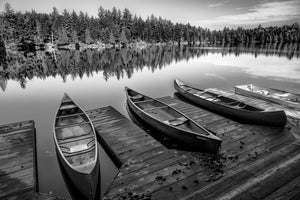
(255, 162)
(18, 171)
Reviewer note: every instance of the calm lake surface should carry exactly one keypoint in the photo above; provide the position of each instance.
(34, 83)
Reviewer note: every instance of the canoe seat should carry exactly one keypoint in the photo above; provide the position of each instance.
(244, 106)
(72, 132)
(137, 97)
(214, 98)
(294, 99)
(68, 106)
(69, 115)
(153, 108)
(177, 121)
(233, 102)
(144, 101)
(74, 139)
(199, 93)
(76, 149)
(72, 125)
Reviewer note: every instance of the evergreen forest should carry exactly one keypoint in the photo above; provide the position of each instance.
(122, 26)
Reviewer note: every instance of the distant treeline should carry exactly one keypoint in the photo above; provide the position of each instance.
(116, 26)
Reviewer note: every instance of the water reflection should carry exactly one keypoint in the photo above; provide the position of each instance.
(120, 63)
(72, 189)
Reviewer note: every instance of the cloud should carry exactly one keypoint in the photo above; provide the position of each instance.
(270, 67)
(215, 5)
(214, 76)
(267, 12)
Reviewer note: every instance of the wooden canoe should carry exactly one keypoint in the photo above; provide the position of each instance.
(172, 122)
(76, 146)
(284, 98)
(231, 108)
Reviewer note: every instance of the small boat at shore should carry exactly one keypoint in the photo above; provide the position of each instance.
(280, 97)
(172, 122)
(229, 107)
(76, 147)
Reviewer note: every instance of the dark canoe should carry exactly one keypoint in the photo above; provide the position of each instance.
(173, 123)
(230, 108)
(284, 98)
(76, 147)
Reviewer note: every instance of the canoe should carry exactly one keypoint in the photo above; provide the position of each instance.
(231, 108)
(172, 122)
(76, 146)
(284, 98)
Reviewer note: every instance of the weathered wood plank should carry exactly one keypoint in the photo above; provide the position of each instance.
(180, 181)
(271, 180)
(151, 169)
(286, 192)
(7, 128)
(16, 144)
(146, 159)
(198, 180)
(16, 158)
(226, 187)
(13, 167)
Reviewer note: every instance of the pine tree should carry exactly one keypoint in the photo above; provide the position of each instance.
(123, 39)
(66, 22)
(55, 22)
(62, 36)
(8, 10)
(112, 39)
(74, 37)
(88, 39)
(9, 22)
(2, 27)
(38, 36)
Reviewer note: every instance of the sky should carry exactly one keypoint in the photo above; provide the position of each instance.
(212, 14)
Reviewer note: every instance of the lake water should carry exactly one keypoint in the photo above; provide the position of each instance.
(34, 83)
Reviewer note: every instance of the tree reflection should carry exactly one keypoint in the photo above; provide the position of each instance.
(119, 63)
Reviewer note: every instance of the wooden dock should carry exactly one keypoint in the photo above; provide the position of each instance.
(255, 162)
(18, 162)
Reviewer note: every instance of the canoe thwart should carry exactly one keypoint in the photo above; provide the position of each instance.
(67, 107)
(148, 109)
(72, 125)
(177, 121)
(137, 97)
